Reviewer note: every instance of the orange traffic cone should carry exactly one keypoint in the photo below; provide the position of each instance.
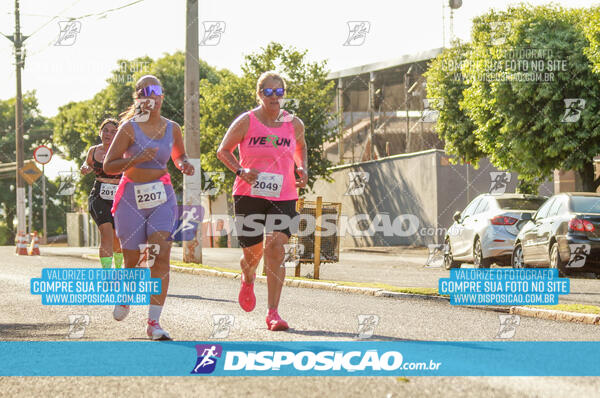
(22, 244)
(34, 248)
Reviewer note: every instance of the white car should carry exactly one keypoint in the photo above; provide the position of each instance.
(485, 231)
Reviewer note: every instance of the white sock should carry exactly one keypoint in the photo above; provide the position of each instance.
(154, 312)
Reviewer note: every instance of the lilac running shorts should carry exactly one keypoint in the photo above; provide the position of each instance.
(134, 225)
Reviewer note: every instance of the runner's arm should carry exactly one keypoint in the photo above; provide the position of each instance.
(301, 153)
(178, 154)
(86, 167)
(232, 138)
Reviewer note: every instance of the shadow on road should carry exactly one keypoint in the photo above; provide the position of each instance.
(325, 333)
(192, 297)
(27, 331)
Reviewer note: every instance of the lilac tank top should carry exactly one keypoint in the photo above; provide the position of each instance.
(141, 142)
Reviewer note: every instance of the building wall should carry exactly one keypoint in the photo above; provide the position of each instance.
(423, 184)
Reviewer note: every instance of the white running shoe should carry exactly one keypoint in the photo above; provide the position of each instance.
(120, 312)
(155, 332)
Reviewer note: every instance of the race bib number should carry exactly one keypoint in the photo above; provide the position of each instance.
(150, 195)
(268, 184)
(107, 191)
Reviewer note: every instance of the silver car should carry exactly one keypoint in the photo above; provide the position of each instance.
(485, 231)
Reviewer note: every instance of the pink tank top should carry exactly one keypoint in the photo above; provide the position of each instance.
(271, 151)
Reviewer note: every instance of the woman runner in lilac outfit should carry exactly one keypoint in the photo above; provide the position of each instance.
(145, 208)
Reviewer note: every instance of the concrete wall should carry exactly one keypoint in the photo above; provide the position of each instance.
(399, 185)
(82, 230)
(422, 184)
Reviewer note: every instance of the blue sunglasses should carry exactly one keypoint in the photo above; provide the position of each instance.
(149, 90)
(269, 92)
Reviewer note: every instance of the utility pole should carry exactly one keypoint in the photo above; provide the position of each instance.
(340, 109)
(371, 116)
(192, 185)
(18, 40)
(406, 102)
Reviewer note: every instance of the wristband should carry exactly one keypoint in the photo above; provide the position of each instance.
(239, 171)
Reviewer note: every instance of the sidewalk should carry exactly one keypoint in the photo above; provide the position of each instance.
(398, 266)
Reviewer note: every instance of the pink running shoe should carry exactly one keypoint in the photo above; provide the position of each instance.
(155, 332)
(274, 321)
(246, 298)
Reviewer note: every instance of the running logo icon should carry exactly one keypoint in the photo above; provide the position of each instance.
(287, 109)
(292, 254)
(68, 33)
(148, 254)
(430, 109)
(67, 182)
(212, 181)
(499, 32)
(367, 325)
(143, 107)
(77, 325)
(357, 33)
(358, 183)
(573, 109)
(436, 255)
(579, 253)
(212, 32)
(222, 325)
(508, 326)
(207, 358)
(499, 182)
(189, 217)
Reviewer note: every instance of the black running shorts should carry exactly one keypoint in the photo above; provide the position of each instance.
(100, 208)
(254, 215)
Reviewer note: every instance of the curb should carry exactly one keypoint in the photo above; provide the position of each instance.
(554, 315)
(540, 313)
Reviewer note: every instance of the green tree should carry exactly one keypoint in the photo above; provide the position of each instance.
(520, 122)
(37, 130)
(446, 83)
(77, 123)
(222, 102)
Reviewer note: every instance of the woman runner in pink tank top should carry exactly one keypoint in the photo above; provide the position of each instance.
(272, 151)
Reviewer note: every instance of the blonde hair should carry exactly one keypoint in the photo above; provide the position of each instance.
(271, 74)
(130, 112)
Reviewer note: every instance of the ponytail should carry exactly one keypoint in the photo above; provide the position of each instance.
(128, 114)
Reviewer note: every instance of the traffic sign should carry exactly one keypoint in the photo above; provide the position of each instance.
(30, 172)
(42, 154)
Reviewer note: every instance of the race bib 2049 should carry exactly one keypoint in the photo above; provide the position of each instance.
(268, 185)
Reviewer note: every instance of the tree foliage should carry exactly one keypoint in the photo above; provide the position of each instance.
(37, 130)
(222, 102)
(525, 65)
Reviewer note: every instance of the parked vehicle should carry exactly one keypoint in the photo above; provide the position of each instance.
(564, 233)
(485, 231)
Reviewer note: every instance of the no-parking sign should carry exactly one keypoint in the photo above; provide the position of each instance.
(42, 154)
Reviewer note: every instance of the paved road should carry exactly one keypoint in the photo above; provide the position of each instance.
(313, 315)
(403, 268)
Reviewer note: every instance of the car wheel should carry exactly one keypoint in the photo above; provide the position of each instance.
(517, 257)
(555, 261)
(448, 259)
(478, 259)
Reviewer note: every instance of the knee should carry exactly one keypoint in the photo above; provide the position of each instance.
(253, 259)
(274, 251)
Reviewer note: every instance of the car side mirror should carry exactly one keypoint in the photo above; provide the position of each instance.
(526, 216)
(456, 216)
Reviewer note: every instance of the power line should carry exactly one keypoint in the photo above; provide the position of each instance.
(99, 14)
